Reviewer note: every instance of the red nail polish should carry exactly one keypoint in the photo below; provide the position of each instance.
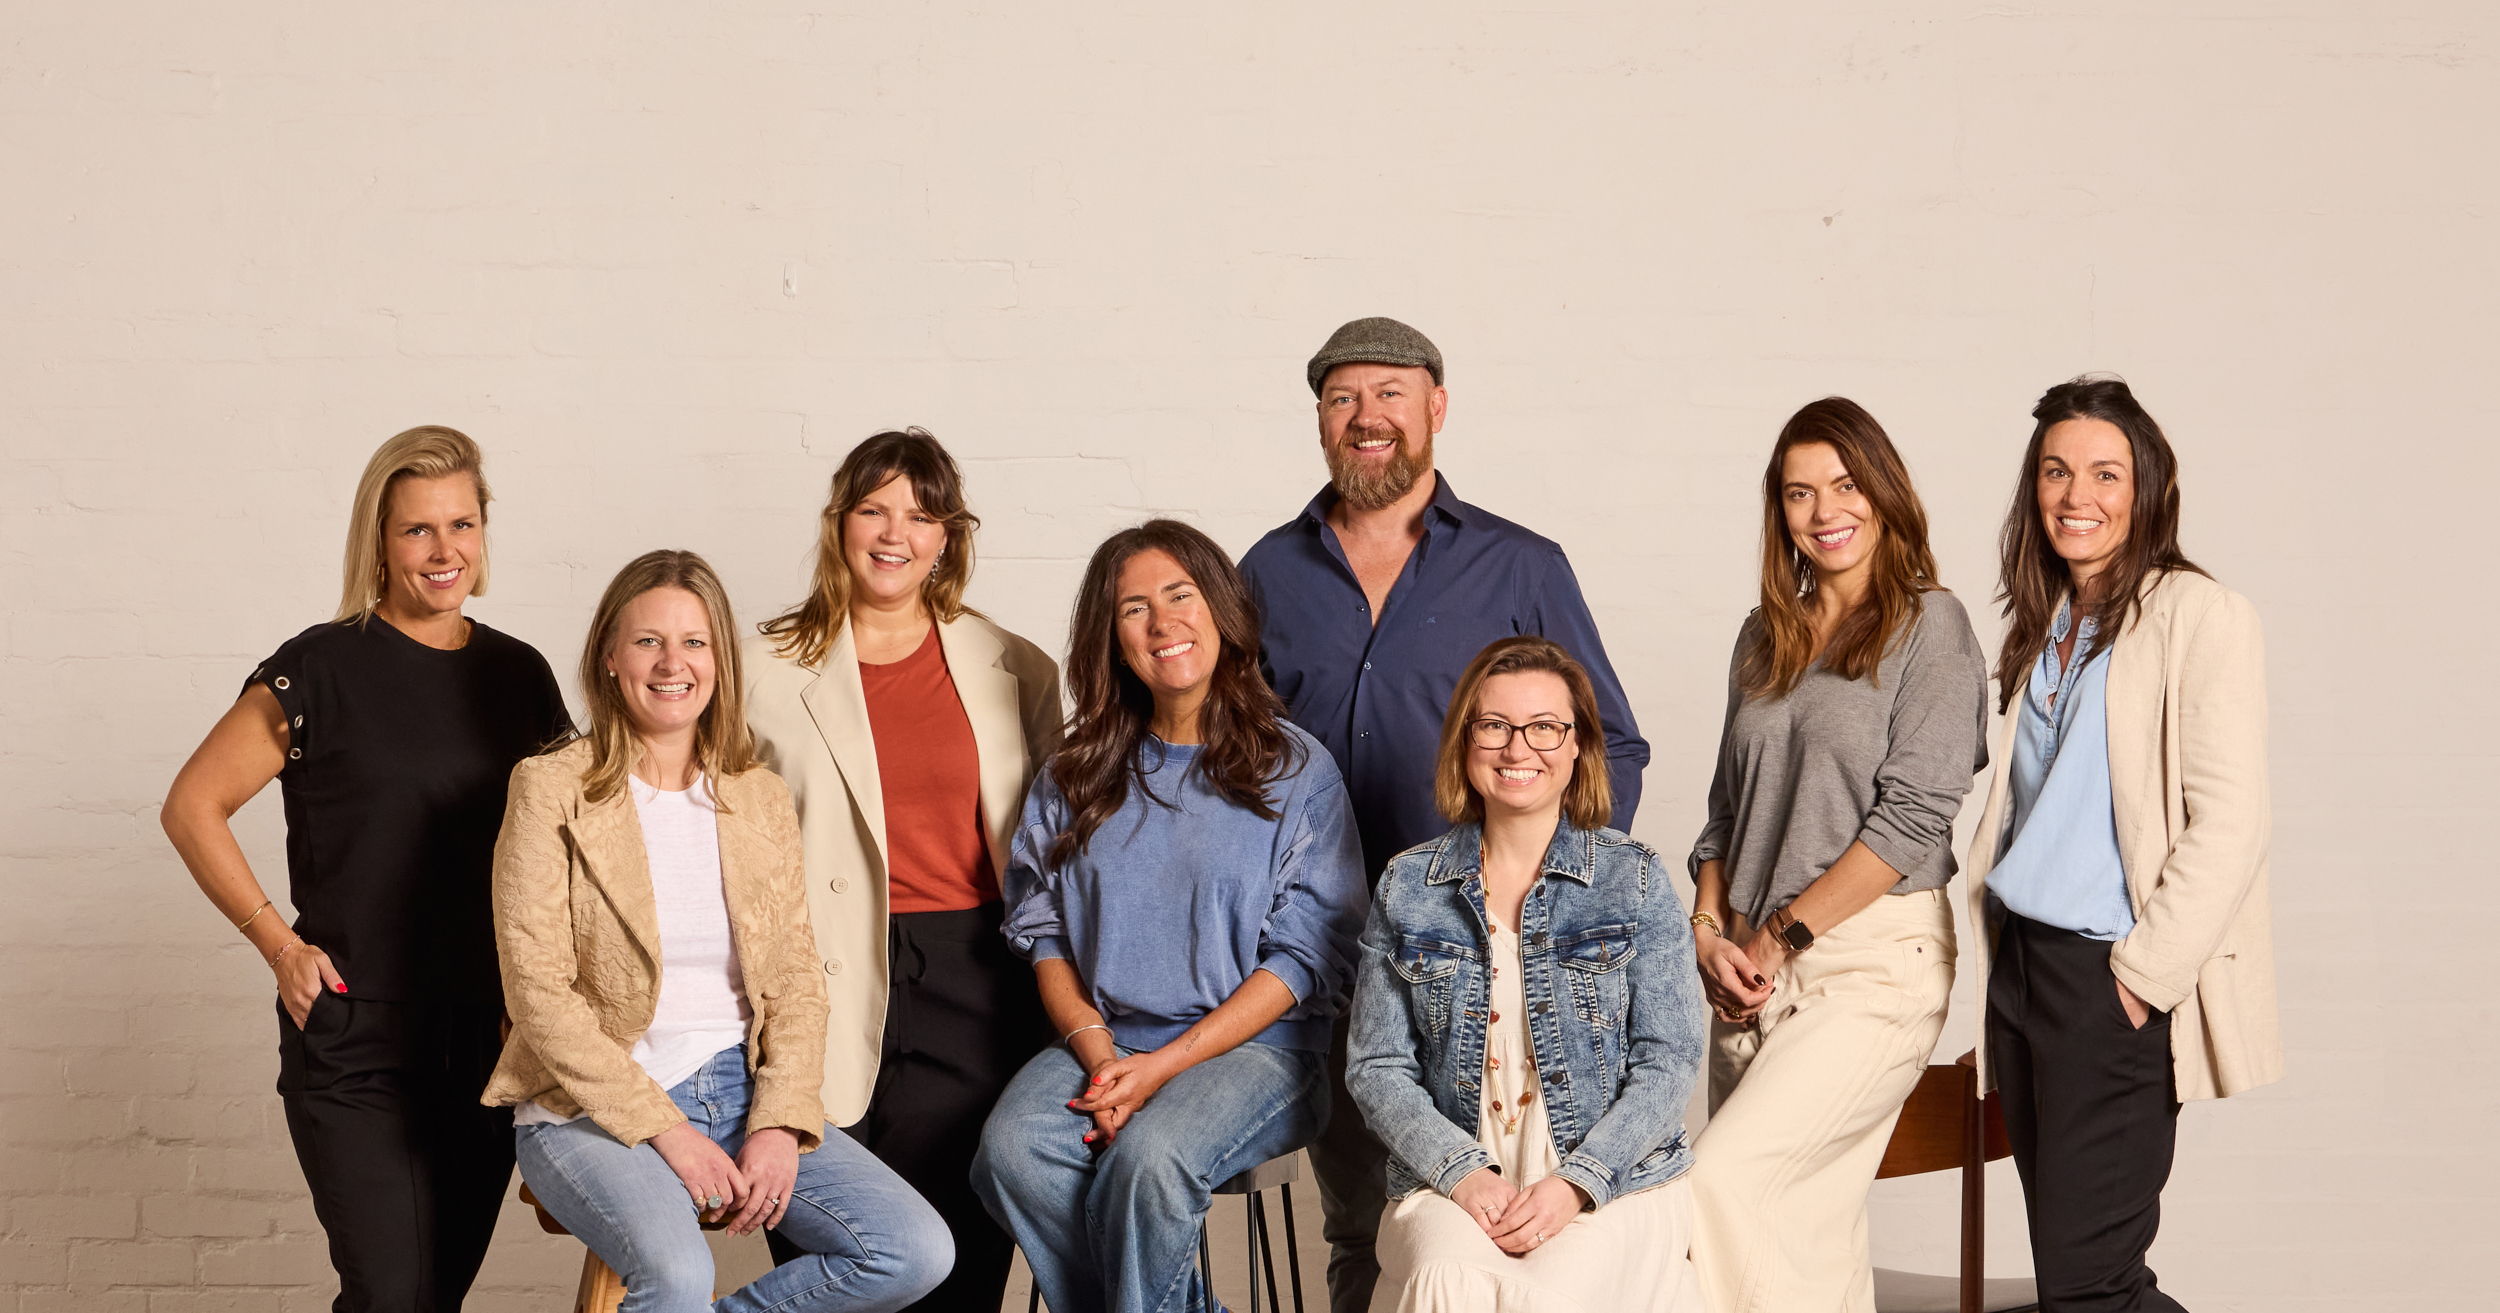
(1089, 1137)
(341, 987)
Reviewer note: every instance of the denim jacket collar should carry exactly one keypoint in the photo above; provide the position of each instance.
(1460, 853)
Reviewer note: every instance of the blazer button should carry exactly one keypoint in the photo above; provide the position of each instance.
(833, 966)
(838, 885)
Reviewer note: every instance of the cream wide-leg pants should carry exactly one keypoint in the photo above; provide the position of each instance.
(1802, 1104)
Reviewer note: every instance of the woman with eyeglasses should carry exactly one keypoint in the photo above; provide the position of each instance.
(1526, 1033)
(1822, 937)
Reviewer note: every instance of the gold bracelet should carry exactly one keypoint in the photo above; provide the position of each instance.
(1704, 918)
(246, 923)
(280, 955)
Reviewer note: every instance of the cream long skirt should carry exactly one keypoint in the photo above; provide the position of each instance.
(1631, 1256)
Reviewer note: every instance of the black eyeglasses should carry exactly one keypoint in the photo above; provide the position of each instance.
(1494, 733)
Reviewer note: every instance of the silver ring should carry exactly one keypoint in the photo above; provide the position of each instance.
(711, 1203)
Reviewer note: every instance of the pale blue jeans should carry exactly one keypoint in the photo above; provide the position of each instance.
(872, 1244)
(1118, 1229)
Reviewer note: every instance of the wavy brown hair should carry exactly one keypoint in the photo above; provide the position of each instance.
(722, 745)
(1903, 568)
(806, 632)
(1586, 800)
(2032, 578)
(1106, 749)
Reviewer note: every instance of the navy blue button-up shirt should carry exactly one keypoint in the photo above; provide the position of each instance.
(1375, 694)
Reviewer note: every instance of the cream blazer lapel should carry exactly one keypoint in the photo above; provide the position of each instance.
(838, 704)
(991, 697)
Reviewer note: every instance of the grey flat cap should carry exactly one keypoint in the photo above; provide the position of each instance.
(1375, 341)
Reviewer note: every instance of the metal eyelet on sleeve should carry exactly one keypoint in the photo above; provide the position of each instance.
(294, 754)
(282, 682)
(299, 722)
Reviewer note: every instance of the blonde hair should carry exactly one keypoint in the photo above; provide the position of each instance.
(805, 633)
(1587, 800)
(428, 451)
(722, 745)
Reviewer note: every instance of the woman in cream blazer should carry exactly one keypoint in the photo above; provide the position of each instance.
(667, 1040)
(2119, 871)
(909, 728)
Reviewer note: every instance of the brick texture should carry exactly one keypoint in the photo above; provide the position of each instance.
(668, 262)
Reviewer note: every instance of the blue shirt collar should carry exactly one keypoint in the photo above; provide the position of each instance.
(1445, 503)
(1572, 854)
(2065, 617)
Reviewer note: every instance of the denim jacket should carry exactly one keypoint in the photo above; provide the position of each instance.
(1614, 1012)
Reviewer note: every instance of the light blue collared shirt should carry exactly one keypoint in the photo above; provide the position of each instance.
(2062, 866)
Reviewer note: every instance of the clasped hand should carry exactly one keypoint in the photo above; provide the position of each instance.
(1518, 1220)
(752, 1191)
(1737, 981)
(1116, 1089)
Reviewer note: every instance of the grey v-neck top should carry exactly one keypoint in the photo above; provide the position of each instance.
(1886, 760)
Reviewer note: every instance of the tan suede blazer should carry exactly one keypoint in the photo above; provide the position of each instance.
(811, 725)
(577, 927)
(2187, 770)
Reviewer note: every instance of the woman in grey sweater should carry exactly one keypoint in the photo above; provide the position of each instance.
(1856, 711)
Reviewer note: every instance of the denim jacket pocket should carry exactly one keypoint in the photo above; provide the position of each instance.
(1429, 970)
(1593, 963)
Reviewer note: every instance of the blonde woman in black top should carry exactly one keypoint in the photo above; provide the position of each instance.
(391, 729)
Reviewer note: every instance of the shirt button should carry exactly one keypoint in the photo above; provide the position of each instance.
(1364, 735)
(833, 966)
(1367, 665)
(839, 885)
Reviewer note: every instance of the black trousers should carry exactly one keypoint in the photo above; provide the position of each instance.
(407, 1170)
(962, 1017)
(2089, 1110)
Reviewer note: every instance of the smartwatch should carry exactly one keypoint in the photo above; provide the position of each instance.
(1792, 931)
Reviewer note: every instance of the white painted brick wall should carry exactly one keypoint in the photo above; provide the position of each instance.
(667, 262)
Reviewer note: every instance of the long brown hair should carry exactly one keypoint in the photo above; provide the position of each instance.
(1242, 721)
(1903, 567)
(722, 745)
(1587, 800)
(428, 451)
(806, 631)
(2032, 578)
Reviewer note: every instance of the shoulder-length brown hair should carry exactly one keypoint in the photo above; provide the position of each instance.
(428, 451)
(1588, 801)
(806, 631)
(1242, 721)
(2032, 578)
(722, 745)
(1904, 566)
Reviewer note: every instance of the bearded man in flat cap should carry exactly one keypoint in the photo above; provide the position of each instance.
(1374, 599)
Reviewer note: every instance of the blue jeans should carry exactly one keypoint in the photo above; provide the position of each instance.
(1118, 1230)
(870, 1243)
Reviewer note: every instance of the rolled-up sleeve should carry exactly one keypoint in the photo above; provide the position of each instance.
(1937, 742)
(1309, 937)
(1035, 922)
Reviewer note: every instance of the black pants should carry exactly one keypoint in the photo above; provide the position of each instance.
(407, 1170)
(2088, 1107)
(962, 1018)
(1352, 1169)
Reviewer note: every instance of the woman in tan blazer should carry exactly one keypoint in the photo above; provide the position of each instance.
(2120, 866)
(667, 1043)
(909, 728)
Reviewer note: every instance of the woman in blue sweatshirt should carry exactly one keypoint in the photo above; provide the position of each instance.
(1188, 885)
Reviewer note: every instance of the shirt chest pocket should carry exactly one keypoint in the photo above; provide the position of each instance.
(1428, 970)
(1593, 972)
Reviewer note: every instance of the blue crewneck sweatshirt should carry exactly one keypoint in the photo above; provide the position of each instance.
(1181, 895)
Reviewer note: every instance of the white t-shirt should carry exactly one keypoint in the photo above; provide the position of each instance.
(702, 1007)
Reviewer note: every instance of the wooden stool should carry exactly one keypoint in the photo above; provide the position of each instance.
(1277, 1174)
(601, 1289)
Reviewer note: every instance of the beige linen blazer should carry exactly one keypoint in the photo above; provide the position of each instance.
(577, 927)
(2187, 771)
(811, 725)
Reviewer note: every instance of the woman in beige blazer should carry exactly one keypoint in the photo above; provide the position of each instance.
(667, 1042)
(2120, 865)
(909, 728)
